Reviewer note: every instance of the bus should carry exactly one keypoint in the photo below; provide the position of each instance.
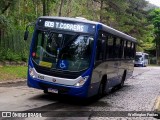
(141, 59)
(78, 57)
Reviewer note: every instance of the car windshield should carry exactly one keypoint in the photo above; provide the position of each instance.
(70, 52)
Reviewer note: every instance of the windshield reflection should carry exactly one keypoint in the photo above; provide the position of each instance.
(138, 58)
(62, 51)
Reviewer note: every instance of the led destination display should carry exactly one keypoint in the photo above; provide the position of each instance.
(67, 26)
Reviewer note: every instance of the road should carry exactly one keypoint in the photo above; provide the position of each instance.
(139, 94)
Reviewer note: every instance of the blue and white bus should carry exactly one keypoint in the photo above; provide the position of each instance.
(78, 57)
(141, 59)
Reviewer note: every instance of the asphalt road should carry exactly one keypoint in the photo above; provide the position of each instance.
(134, 99)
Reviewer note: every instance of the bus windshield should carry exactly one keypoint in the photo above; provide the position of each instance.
(71, 52)
(138, 58)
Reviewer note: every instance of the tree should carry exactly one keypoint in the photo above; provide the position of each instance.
(127, 16)
(155, 18)
(60, 8)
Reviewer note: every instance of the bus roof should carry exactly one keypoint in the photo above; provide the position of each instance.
(78, 19)
(117, 33)
(102, 26)
(141, 53)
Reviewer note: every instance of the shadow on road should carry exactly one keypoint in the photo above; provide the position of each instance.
(65, 100)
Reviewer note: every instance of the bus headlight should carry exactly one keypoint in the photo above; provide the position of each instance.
(82, 81)
(31, 72)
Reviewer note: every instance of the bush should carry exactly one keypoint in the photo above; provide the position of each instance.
(13, 56)
(13, 47)
(24, 55)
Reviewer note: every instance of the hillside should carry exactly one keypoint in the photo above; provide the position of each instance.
(150, 6)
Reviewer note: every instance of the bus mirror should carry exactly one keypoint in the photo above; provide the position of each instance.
(26, 35)
(27, 31)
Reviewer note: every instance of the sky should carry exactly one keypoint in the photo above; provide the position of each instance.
(155, 2)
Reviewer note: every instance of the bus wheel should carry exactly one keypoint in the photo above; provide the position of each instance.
(45, 91)
(101, 90)
(122, 80)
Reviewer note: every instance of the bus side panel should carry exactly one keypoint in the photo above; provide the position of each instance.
(114, 71)
(97, 75)
(123, 66)
(130, 68)
(108, 68)
(112, 74)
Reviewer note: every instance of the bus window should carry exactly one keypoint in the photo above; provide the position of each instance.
(121, 49)
(146, 56)
(125, 49)
(101, 47)
(106, 51)
(117, 48)
(128, 49)
(110, 46)
(132, 50)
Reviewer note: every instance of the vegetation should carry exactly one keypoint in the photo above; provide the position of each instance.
(129, 16)
(155, 19)
(13, 72)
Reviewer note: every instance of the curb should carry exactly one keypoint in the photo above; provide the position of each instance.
(13, 81)
(157, 107)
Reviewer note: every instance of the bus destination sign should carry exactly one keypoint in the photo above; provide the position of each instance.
(67, 26)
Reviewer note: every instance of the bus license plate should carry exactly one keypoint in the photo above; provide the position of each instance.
(53, 90)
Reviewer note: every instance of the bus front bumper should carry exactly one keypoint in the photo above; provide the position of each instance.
(137, 65)
(62, 89)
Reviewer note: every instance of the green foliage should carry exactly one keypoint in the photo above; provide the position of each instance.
(8, 54)
(127, 16)
(3, 21)
(13, 47)
(155, 19)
